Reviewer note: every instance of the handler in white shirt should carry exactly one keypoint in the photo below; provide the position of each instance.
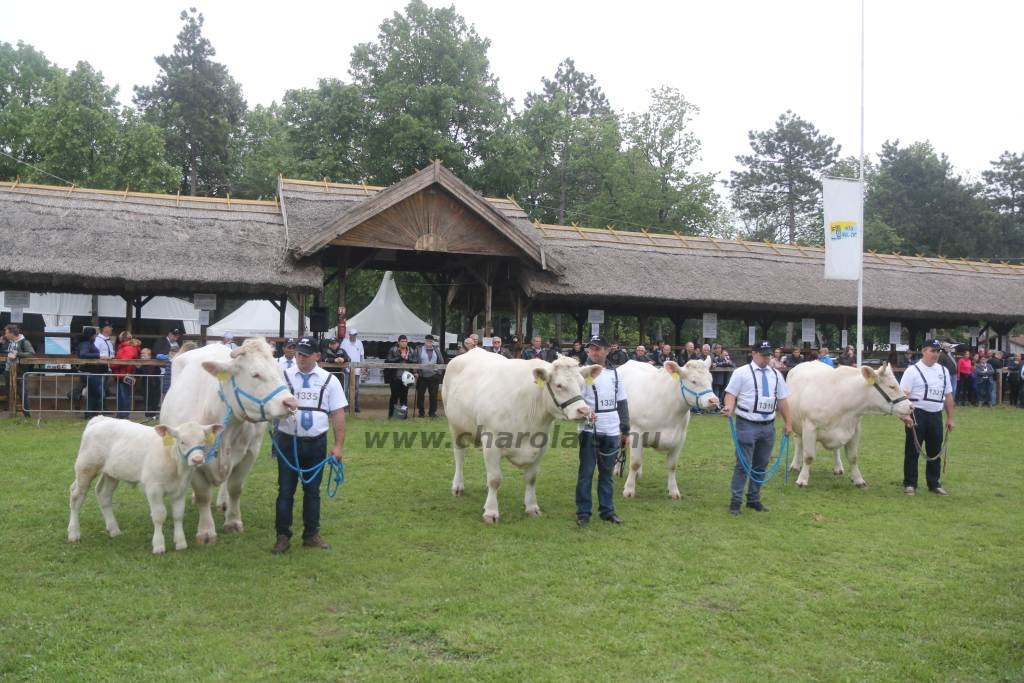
(928, 386)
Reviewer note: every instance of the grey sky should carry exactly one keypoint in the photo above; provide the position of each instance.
(938, 70)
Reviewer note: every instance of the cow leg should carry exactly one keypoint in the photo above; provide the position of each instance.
(178, 515)
(105, 495)
(492, 463)
(206, 532)
(458, 485)
(158, 513)
(837, 463)
(530, 485)
(798, 453)
(222, 498)
(853, 455)
(79, 489)
(636, 466)
(670, 463)
(808, 443)
(233, 513)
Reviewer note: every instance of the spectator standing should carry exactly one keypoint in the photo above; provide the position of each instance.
(578, 352)
(428, 381)
(149, 377)
(94, 377)
(353, 346)
(163, 347)
(17, 347)
(616, 356)
(640, 355)
(534, 350)
(777, 362)
(497, 348)
(228, 340)
(128, 348)
(947, 362)
(983, 373)
(997, 362)
(664, 353)
(721, 363)
(399, 353)
(468, 344)
(105, 346)
(825, 358)
(795, 358)
(287, 358)
(849, 357)
(964, 368)
(1013, 378)
(551, 351)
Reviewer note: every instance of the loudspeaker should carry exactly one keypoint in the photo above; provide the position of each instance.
(318, 319)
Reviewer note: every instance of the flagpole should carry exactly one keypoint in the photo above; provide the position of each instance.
(860, 280)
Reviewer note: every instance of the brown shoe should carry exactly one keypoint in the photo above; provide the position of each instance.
(283, 543)
(315, 542)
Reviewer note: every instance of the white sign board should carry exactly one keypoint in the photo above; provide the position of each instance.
(807, 330)
(595, 317)
(487, 342)
(17, 314)
(845, 339)
(204, 302)
(204, 317)
(751, 335)
(14, 299)
(710, 325)
(895, 332)
(595, 328)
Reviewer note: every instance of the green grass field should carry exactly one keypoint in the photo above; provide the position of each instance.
(834, 584)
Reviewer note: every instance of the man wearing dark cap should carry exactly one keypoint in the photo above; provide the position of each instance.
(928, 386)
(601, 439)
(301, 442)
(163, 346)
(399, 353)
(754, 393)
(287, 359)
(427, 380)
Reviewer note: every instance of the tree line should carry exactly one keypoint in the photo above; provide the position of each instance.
(424, 91)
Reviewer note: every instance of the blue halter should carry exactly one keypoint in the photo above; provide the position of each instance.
(202, 449)
(261, 402)
(687, 390)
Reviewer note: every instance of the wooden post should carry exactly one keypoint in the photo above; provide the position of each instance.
(282, 320)
(519, 315)
(127, 313)
(302, 315)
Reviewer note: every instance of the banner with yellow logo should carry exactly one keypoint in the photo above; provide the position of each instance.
(844, 228)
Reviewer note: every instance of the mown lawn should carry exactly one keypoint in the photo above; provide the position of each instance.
(834, 584)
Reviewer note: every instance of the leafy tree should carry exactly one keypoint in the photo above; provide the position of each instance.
(429, 94)
(261, 152)
(324, 128)
(24, 73)
(918, 195)
(199, 107)
(779, 193)
(575, 140)
(1004, 187)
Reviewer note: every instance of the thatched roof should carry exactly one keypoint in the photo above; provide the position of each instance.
(77, 240)
(318, 212)
(674, 272)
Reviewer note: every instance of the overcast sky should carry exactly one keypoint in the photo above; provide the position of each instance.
(942, 71)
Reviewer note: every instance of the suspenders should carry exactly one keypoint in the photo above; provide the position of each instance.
(753, 408)
(320, 399)
(925, 396)
(597, 403)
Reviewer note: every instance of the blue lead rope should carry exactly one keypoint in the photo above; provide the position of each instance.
(335, 470)
(759, 476)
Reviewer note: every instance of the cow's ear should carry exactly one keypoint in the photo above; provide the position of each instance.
(162, 430)
(540, 376)
(590, 373)
(219, 369)
(672, 368)
(214, 428)
(869, 374)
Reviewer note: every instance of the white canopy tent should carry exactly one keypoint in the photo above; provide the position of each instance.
(258, 318)
(387, 316)
(57, 309)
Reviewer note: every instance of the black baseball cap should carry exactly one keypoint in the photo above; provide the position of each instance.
(306, 346)
(175, 331)
(763, 347)
(106, 323)
(429, 336)
(290, 341)
(932, 344)
(598, 340)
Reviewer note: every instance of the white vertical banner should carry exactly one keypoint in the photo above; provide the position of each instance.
(710, 325)
(807, 330)
(895, 332)
(844, 228)
(845, 339)
(751, 335)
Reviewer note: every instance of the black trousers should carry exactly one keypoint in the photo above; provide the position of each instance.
(399, 396)
(929, 433)
(424, 385)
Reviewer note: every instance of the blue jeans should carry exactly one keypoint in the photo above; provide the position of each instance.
(124, 398)
(755, 440)
(598, 450)
(309, 453)
(95, 393)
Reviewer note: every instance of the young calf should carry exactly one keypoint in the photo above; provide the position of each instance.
(160, 458)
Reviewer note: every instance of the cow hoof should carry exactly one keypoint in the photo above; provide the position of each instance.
(802, 484)
(158, 551)
(183, 546)
(73, 538)
(206, 539)
(860, 484)
(490, 519)
(675, 496)
(114, 533)
(458, 492)
(533, 513)
(233, 528)
(628, 493)
(838, 473)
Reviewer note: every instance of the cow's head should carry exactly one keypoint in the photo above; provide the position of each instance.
(694, 382)
(565, 381)
(252, 383)
(191, 441)
(885, 395)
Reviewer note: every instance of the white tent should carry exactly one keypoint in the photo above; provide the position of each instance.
(58, 309)
(387, 316)
(259, 318)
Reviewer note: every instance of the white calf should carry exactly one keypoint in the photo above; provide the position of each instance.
(159, 458)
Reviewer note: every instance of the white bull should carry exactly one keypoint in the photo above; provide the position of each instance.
(241, 389)
(507, 407)
(660, 400)
(827, 404)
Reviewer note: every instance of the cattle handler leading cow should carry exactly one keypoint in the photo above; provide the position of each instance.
(928, 386)
(754, 393)
(322, 405)
(601, 439)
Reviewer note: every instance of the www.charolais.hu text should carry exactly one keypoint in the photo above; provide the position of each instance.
(420, 440)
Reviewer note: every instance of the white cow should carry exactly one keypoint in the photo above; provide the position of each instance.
(507, 407)
(159, 458)
(242, 389)
(660, 400)
(827, 404)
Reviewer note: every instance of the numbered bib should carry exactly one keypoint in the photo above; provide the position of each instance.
(934, 393)
(765, 404)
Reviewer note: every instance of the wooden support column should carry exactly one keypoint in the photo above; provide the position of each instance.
(641, 321)
(677, 325)
(282, 311)
(488, 298)
(301, 305)
(127, 314)
(519, 315)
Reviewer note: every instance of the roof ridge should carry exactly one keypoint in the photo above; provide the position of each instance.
(125, 194)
